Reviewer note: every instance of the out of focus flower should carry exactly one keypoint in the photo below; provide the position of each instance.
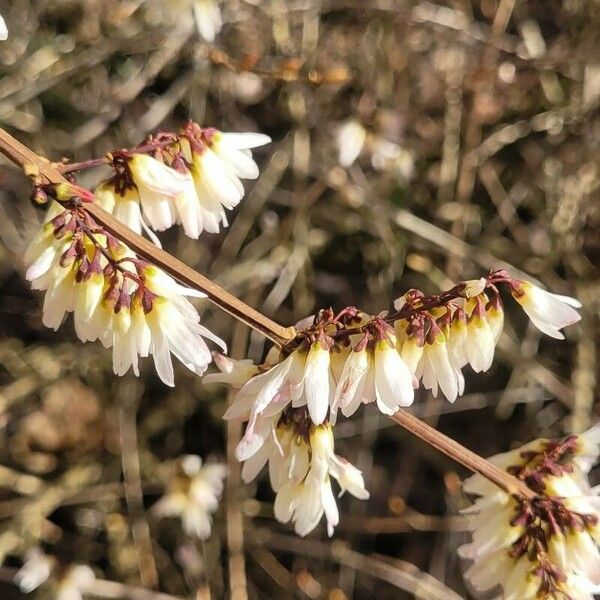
(389, 156)
(35, 571)
(193, 494)
(350, 140)
(352, 137)
(209, 21)
(129, 305)
(548, 312)
(546, 547)
(67, 582)
(301, 462)
(3, 29)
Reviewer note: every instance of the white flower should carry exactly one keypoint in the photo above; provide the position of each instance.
(316, 383)
(392, 380)
(301, 462)
(69, 582)
(480, 342)
(3, 29)
(154, 192)
(130, 306)
(474, 287)
(303, 378)
(193, 494)
(429, 357)
(548, 312)
(546, 547)
(436, 369)
(217, 162)
(232, 372)
(271, 391)
(209, 21)
(196, 179)
(350, 140)
(355, 381)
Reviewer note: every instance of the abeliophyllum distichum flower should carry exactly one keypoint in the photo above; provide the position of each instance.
(338, 362)
(128, 304)
(546, 547)
(189, 178)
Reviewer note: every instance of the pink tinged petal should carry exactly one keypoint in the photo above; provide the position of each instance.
(260, 390)
(258, 431)
(351, 380)
(316, 383)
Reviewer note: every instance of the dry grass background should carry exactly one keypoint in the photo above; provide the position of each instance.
(493, 107)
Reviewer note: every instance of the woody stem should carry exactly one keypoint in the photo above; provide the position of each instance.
(462, 455)
(34, 165)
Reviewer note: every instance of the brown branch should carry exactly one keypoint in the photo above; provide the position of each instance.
(462, 455)
(33, 164)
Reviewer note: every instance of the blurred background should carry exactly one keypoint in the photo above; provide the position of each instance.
(414, 144)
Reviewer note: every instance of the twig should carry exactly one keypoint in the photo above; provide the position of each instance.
(235, 524)
(102, 588)
(400, 574)
(134, 494)
(464, 456)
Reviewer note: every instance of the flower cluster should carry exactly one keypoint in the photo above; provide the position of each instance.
(300, 456)
(68, 582)
(189, 178)
(192, 494)
(546, 547)
(128, 304)
(339, 361)
(438, 343)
